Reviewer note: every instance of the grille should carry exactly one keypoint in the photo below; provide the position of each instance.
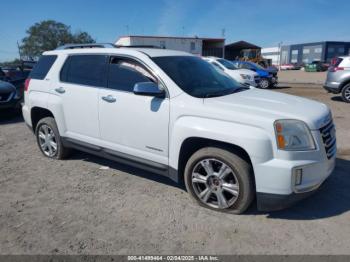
(329, 139)
(5, 97)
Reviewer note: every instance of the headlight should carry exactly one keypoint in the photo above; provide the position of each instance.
(244, 76)
(293, 135)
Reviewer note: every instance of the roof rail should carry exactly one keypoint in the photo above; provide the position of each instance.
(138, 46)
(77, 46)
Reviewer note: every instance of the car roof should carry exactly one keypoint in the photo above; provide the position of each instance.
(152, 52)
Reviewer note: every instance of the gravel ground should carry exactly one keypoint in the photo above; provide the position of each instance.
(300, 76)
(78, 207)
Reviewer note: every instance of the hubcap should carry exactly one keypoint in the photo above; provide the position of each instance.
(347, 93)
(264, 83)
(215, 183)
(47, 140)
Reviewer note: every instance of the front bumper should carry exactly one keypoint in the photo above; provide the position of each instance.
(277, 183)
(274, 202)
(332, 87)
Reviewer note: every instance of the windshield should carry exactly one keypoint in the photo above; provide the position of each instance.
(227, 64)
(197, 77)
(256, 66)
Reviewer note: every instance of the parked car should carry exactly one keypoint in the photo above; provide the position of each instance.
(174, 114)
(316, 66)
(338, 77)
(11, 95)
(290, 67)
(243, 76)
(268, 77)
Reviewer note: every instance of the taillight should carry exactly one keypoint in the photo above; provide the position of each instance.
(335, 68)
(26, 84)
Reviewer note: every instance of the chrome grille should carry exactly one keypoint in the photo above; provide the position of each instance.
(329, 139)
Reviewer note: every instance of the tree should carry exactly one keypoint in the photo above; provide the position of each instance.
(48, 35)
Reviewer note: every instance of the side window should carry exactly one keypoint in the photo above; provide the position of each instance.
(124, 73)
(43, 66)
(88, 70)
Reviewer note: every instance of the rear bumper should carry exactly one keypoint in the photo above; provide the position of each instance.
(26, 116)
(332, 87)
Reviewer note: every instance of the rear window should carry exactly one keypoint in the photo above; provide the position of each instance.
(43, 66)
(90, 70)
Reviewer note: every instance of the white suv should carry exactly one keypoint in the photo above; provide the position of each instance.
(174, 114)
(241, 75)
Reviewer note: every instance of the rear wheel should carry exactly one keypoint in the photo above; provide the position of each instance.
(49, 140)
(346, 93)
(220, 180)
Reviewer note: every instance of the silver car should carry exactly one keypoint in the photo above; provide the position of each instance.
(338, 78)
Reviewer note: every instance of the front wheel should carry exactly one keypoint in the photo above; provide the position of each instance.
(346, 93)
(220, 180)
(264, 83)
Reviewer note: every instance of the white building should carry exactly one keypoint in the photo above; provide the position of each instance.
(272, 53)
(194, 45)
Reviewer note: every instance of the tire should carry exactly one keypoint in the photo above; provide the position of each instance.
(264, 83)
(346, 93)
(47, 135)
(206, 188)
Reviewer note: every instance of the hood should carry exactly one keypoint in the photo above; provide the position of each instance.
(246, 72)
(255, 104)
(6, 87)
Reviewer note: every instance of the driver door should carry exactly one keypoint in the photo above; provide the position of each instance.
(133, 124)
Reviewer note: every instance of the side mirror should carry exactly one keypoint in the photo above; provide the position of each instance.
(148, 89)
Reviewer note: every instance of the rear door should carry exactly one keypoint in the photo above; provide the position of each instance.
(80, 79)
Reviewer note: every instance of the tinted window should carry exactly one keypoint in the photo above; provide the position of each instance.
(125, 73)
(196, 77)
(43, 66)
(88, 70)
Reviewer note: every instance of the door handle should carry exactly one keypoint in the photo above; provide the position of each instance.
(109, 99)
(60, 90)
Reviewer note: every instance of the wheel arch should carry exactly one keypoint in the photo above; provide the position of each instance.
(344, 83)
(38, 113)
(192, 144)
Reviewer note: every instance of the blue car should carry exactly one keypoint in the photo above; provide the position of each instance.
(268, 77)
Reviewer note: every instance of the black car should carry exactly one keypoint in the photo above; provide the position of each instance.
(11, 94)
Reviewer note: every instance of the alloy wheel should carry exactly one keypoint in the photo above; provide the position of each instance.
(264, 83)
(347, 93)
(215, 183)
(47, 140)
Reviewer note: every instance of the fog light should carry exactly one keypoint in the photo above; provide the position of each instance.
(298, 174)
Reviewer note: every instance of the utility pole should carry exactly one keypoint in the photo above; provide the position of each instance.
(19, 51)
(223, 32)
(279, 55)
(127, 29)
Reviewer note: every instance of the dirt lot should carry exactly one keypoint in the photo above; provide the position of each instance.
(300, 76)
(75, 207)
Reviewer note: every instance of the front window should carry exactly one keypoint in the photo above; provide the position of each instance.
(227, 64)
(196, 77)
